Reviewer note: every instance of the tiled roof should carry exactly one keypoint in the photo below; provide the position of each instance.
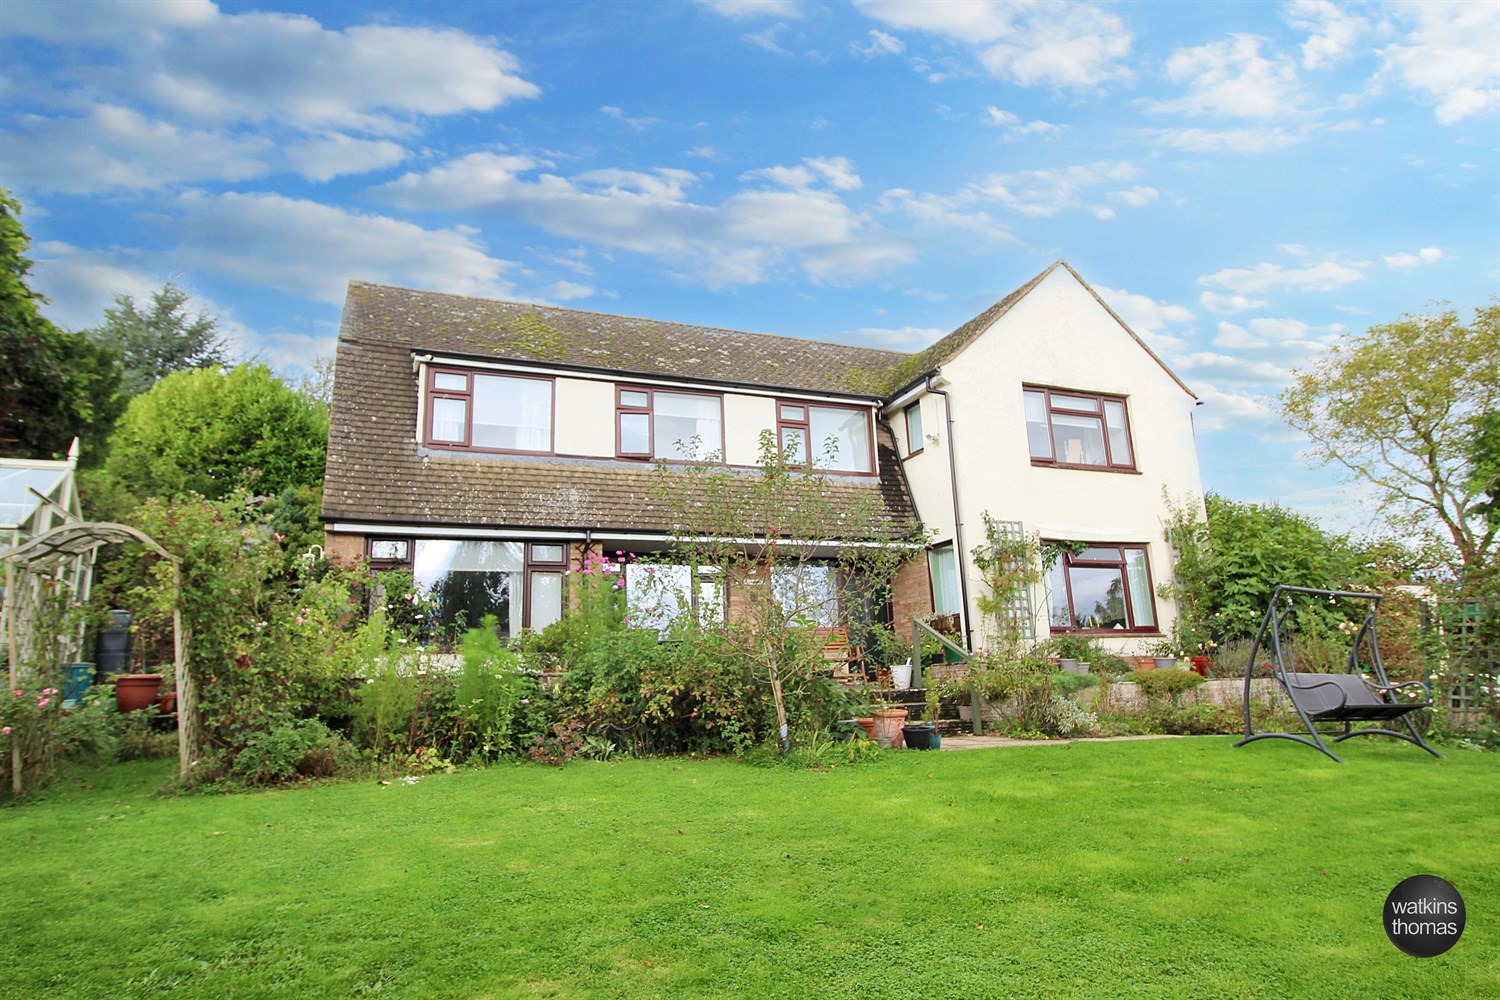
(377, 473)
(434, 322)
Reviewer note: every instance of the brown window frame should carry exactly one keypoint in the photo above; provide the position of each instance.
(649, 412)
(1068, 560)
(914, 445)
(1101, 399)
(467, 396)
(383, 565)
(535, 566)
(805, 426)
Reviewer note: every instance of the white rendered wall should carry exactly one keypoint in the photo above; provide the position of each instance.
(1058, 336)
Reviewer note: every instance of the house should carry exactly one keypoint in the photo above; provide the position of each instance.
(486, 446)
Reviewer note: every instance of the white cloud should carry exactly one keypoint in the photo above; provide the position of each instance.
(1136, 197)
(880, 44)
(1144, 314)
(741, 240)
(1426, 255)
(563, 291)
(1332, 31)
(116, 147)
(636, 124)
(703, 153)
(1060, 44)
(937, 212)
(740, 10)
(1010, 124)
(837, 170)
(1237, 141)
(1236, 338)
(81, 283)
(311, 250)
(906, 338)
(222, 68)
(1447, 54)
(1225, 408)
(1232, 369)
(1231, 78)
(1043, 193)
(768, 39)
(1217, 302)
(1324, 276)
(337, 155)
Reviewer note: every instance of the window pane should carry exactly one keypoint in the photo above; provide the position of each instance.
(944, 576)
(1098, 553)
(450, 381)
(794, 443)
(808, 593)
(547, 553)
(386, 548)
(794, 413)
(1059, 614)
(1079, 439)
(1119, 437)
(635, 434)
(1038, 434)
(914, 438)
(844, 432)
(1140, 588)
(1060, 401)
(687, 426)
(449, 416)
(514, 414)
(633, 398)
(546, 599)
(467, 580)
(1098, 597)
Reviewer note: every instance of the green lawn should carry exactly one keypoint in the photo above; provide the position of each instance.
(1140, 869)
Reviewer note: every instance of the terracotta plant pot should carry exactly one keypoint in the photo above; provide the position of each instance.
(1201, 665)
(134, 692)
(888, 728)
(868, 725)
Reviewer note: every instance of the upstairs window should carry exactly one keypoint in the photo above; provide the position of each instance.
(1104, 587)
(915, 442)
(504, 413)
(1080, 429)
(835, 438)
(677, 426)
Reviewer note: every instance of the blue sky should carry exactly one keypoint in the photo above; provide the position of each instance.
(1241, 181)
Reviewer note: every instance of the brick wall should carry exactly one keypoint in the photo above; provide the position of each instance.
(344, 549)
(911, 596)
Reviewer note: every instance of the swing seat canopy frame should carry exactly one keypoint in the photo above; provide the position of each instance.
(1363, 694)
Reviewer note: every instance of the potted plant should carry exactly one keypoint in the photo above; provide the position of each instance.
(923, 735)
(135, 691)
(888, 723)
(1166, 654)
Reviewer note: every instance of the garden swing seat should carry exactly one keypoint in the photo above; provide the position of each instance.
(1362, 694)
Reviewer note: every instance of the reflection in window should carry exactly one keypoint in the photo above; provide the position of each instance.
(1101, 588)
(836, 438)
(466, 580)
(1074, 428)
(807, 593)
(661, 595)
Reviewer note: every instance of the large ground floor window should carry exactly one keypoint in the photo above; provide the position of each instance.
(520, 583)
(1102, 587)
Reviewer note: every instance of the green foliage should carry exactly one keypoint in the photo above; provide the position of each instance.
(305, 748)
(162, 338)
(210, 432)
(490, 693)
(1165, 685)
(1008, 566)
(1400, 408)
(54, 385)
(1255, 547)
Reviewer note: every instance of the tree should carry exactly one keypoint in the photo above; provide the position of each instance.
(161, 339)
(54, 386)
(208, 432)
(766, 534)
(1484, 456)
(1397, 408)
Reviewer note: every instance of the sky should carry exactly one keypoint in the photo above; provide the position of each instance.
(1242, 182)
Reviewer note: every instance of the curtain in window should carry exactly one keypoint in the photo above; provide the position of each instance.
(512, 414)
(468, 579)
(1140, 588)
(680, 419)
(849, 432)
(944, 571)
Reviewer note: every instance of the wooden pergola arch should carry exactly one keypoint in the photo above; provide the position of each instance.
(28, 563)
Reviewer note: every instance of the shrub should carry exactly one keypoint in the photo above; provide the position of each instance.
(305, 748)
(1169, 684)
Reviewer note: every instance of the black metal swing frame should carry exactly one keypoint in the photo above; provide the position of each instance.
(1337, 699)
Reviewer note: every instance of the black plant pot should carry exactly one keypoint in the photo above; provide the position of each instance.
(918, 736)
